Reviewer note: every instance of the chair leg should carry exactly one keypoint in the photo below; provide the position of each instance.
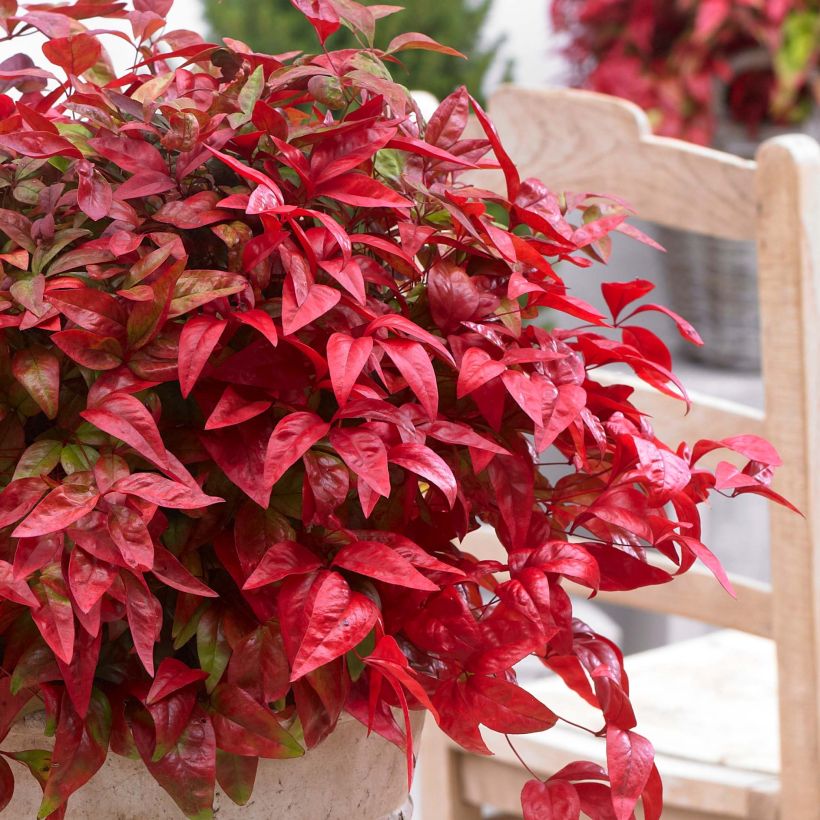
(441, 793)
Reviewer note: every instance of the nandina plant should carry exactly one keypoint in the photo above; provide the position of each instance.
(267, 358)
(677, 58)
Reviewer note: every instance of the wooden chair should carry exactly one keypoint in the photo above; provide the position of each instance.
(711, 705)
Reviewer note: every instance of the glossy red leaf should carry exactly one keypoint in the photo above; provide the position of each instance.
(414, 364)
(292, 437)
(172, 675)
(281, 560)
(164, 492)
(476, 369)
(421, 460)
(59, 509)
(365, 454)
(378, 561)
(346, 358)
(629, 759)
(130, 534)
(144, 619)
(199, 338)
(38, 370)
(550, 800)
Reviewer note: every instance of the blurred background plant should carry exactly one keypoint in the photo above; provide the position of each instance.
(690, 62)
(270, 25)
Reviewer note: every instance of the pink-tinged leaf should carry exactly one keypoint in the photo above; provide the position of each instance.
(38, 370)
(511, 176)
(506, 707)
(144, 183)
(234, 407)
(571, 400)
(200, 335)
(553, 800)
(134, 155)
(172, 675)
(39, 145)
(261, 321)
(322, 16)
(94, 195)
(281, 560)
(416, 41)
(80, 749)
(335, 620)
(319, 300)
(379, 561)
(476, 369)
(88, 578)
(414, 364)
(244, 726)
(425, 149)
(79, 674)
(164, 492)
(402, 324)
(14, 588)
(421, 460)
(59, 509)
(19, 497)
(629, 759)
(366, 456)
(362, 191)
(89, 349)
(129, 532)
(170, 570)
(529, 393)
(293, 436)
(144, 619)
(346, 358)
(710, 560)
(55, 617)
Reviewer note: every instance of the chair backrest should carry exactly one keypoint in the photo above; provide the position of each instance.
(582, 141)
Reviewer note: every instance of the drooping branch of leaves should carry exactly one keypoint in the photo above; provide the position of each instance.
(265, 360)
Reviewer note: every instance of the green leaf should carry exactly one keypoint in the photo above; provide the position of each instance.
(248, 97)
(212, 646)
(38, 459)
(236, 775)
(78, 457)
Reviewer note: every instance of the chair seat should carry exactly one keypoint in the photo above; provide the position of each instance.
(709, 706)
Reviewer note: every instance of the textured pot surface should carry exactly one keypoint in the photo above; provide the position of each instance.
(348, 776)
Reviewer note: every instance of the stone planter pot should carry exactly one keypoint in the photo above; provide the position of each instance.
(347, 776)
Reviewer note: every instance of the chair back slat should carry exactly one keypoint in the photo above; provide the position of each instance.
(583, 141)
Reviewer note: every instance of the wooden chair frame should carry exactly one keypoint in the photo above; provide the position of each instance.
(582, 141)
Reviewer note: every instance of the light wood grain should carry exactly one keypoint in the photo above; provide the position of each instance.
(583, 141)
(788, 222)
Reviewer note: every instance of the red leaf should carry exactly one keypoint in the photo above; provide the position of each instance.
(319, 300)
(233, 408)
(55, 617)
(629, 759)
(378, 561)
(200, 335)
(80, 749)
(19, 497)
(126, 418)
(59, 509)
(553, 800)
(415, 366)
(144, 619)
(245, 727)
(293, 436)
(281, 560)
(332, 620)
(420, 459)
(89, 349)
(362, 192)
(322, 16)
(88, 578)
(477, 368)
(620, 294)
(365, 454)
(132, 538)
(346, 358)
(94, 195)
(170, 570)
(39, 145)
(261, 321)
(74, 54)
(172, 675)
(164, 492)
(188, 771)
